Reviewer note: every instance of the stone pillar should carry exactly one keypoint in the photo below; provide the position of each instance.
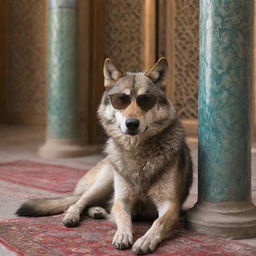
(62, 116)
(224, 204)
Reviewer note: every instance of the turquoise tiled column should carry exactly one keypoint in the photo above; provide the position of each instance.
(62, 115)
(224, 204)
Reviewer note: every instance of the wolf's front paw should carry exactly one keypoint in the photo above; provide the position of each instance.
(145, 244)
(122, 241)
(72, 217)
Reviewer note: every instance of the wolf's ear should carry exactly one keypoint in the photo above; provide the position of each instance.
(158, 72)
(111, 73)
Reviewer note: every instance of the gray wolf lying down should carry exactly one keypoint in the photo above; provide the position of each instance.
(147, 172)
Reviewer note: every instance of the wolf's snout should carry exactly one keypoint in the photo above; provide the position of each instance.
(132, 124)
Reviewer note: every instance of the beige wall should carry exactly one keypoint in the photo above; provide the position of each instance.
(128, 31)
(132, 32)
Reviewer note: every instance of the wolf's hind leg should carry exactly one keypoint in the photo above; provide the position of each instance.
(97, 212)
(98, 193)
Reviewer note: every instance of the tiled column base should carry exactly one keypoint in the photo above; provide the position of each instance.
(233, 220)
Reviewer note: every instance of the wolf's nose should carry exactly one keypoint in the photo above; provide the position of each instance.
(132, 123)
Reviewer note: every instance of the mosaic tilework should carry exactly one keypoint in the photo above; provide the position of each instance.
(26, 62)
(186, 51)
(124, 35)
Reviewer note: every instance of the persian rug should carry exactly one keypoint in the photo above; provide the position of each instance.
(54, 178)
(46, 236)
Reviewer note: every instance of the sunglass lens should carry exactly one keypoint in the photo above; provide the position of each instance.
(146, 101)
(120, 101)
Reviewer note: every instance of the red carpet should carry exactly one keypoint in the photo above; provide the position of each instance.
(48, 237)
(48, 177)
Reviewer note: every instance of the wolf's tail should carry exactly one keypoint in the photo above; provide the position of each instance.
(46, 206)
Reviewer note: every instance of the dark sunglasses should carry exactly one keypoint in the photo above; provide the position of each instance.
(122, 101)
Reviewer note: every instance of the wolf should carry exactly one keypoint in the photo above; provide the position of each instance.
(147, 171)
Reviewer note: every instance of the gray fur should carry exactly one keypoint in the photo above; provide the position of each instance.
(141, 166)
(150, 171)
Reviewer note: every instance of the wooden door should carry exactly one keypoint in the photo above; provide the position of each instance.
(2, 58)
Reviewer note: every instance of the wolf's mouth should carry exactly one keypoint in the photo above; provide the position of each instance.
(136, 132)
(132, 133)
(145, 129)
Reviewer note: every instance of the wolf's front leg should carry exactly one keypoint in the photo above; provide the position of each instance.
(168, 218)
(121, 213)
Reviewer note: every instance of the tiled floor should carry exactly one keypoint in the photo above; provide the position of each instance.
(22, 142)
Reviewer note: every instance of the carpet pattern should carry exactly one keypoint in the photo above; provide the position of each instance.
(47, 236)
(54, 178)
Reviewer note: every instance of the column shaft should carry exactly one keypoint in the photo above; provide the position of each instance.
(62, 116)
(62, 73)
(224, 189)
(225, 100)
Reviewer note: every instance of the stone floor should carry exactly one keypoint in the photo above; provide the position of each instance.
(22, 142)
